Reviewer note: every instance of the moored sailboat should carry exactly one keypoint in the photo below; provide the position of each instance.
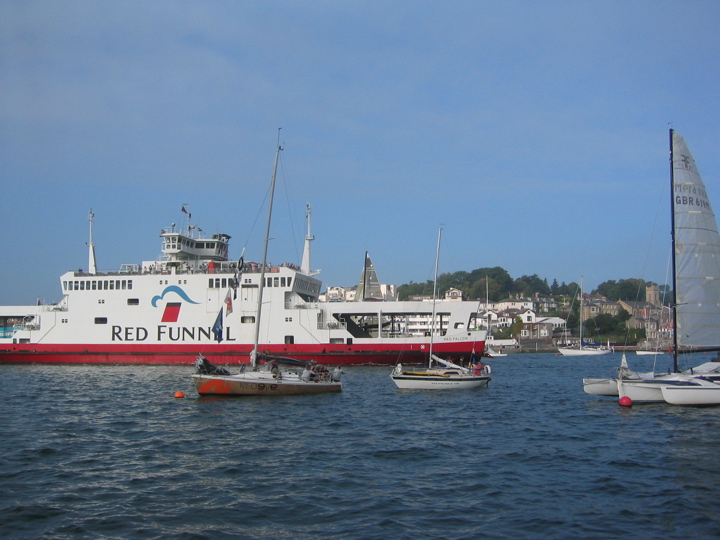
(696, 290)
(267, 378)
(441, 374)
(583, 348)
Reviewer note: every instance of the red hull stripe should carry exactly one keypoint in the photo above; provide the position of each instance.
(231, 354)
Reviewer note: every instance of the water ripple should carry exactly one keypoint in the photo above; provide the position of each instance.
(106, 451)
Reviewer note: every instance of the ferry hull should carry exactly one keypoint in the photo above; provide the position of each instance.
(358, 354)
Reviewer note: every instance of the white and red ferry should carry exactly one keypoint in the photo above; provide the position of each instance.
(168, 310)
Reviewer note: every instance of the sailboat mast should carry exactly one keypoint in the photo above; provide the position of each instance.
(582, 300)
(253, 354)
(432, 322)
(674, 264)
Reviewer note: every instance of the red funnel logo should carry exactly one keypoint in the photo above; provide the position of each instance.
(172, 311)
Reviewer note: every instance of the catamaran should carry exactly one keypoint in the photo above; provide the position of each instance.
(696, 295)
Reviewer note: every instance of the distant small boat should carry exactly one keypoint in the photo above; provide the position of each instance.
(490, 353)
(583, 348)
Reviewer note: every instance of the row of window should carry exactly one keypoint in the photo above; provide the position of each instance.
(277, 282)
(98, 285)
(172, 243)
(222, 283)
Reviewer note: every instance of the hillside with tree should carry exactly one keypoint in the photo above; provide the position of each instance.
(501, 285)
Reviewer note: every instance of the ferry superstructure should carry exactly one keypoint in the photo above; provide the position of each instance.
(168, 310)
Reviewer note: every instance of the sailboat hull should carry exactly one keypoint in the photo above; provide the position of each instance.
(253, 384)
(600, 387)
(583, 352)
(692, 395)
(439, 382)
(645, 391)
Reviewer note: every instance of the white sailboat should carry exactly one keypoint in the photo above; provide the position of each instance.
(440, 374)
(696, 290)
(276, 375)
(584, 349)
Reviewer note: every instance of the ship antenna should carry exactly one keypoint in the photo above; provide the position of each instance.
(305, 264)
(92, 263)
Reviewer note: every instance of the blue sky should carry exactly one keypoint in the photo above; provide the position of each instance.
(535, 133)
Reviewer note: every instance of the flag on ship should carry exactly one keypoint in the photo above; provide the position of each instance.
(228, 303)
(236, 281)
(218, 327)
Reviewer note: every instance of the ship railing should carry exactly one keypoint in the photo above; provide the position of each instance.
(332, 325)
(162, 268)
(301, 305)
(62, 306)
(394, 335)
(26, 326)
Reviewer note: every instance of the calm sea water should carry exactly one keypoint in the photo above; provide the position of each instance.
(89, 451)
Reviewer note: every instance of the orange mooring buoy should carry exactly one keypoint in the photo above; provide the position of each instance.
(179, 394)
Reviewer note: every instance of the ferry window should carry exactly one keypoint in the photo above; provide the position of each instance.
(129, 283)
(64, 321)
(210, 283)
(268, 282)
(276, 282)
(124, 284)
(112, 285)
(100, 320)
(282, 281)
(133, 301)
(224, 283)
(70, 286)
(288, 319)
(82, 285)
(64, 285)
(247, 319)
(94, 285)
(105, 285)
(217, 283)
(289, 281)
(289, 340)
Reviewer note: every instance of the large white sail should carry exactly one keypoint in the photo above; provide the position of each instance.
(697, 254)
